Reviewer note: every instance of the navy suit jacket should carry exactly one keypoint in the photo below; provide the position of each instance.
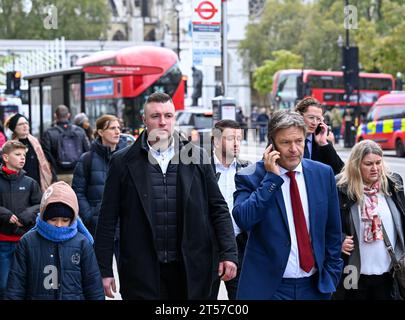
(259, 208)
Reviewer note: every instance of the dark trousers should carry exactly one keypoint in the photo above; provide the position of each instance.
(262, 133)
(232, 285)
(172, 282)
(300, 289)
(372, 287)
(7, 249)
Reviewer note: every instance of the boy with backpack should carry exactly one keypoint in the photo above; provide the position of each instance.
(20, 197)
(56, 260)
(64, 143)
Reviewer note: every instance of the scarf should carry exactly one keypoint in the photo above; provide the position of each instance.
(45, 174)
(8, 171)
(60, 234)
(369, 214)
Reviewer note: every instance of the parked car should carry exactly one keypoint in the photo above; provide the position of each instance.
(385, 123)
(196, 125)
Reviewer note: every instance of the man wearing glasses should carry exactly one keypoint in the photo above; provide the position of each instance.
(317, 147)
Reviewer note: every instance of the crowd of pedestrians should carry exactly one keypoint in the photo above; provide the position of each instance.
(179, 220)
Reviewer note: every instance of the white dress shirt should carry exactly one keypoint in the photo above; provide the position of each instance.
(374, 256)
(227, 186)
(163, 157)
(293, 269)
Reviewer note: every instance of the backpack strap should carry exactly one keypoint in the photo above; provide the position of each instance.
(87, 159)
(58, 128)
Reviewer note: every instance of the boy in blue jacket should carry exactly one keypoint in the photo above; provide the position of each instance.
(56, 260)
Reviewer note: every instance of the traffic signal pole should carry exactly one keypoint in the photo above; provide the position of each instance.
(349, 114)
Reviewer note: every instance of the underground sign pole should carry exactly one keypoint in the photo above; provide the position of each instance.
(224, 48)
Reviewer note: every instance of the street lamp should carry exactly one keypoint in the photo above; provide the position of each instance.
(178, 6)
(399, 83)
(102, 40)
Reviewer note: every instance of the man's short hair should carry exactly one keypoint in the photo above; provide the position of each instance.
(284, 119)
(305, 103)
(62, 112)
(221, 125)
(159, 97)
(12, 145)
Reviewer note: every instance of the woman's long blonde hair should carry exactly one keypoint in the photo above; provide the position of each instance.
(350, 178)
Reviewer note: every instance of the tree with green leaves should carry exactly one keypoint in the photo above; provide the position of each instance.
(74, 20)
(263, 75)
(311, 30)
(280, 28)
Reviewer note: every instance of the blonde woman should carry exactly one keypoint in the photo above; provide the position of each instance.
(371, 199)
(36, 165)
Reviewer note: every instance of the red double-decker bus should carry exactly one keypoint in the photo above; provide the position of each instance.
(149, 69)
(328, 88)
(113, 82)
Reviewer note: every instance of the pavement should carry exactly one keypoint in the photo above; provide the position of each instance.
(222, 295)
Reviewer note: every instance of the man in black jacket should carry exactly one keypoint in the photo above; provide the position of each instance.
(20, 197)
(176, 231)
(317, 147)
(64, 143)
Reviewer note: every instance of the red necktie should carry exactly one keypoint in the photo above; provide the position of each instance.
(304, 244)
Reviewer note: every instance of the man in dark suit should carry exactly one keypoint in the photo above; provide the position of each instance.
(176, 235)
(226, 137)
(317, 147)
(293, 250)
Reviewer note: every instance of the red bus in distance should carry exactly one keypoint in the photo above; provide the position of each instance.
(327, 87)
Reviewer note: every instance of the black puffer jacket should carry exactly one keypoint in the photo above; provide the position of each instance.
(39, 262)
(89, 187)
(19, 195)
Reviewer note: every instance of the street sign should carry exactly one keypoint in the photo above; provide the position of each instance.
(206, 27)
(207, 12)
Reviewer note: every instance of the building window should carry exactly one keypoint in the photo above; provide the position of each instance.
(119, 36)
(113, 8)
(256, 7)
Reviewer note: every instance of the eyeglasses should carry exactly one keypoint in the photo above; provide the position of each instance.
(313, 118)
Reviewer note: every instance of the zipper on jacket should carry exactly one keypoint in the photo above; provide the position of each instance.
(166, 218)
(58, 291)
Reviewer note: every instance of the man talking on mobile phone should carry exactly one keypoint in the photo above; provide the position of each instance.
(317, 147)
(293, 249)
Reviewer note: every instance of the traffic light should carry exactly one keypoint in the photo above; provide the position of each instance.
(350, 69)
(17, 80)
(13, 82)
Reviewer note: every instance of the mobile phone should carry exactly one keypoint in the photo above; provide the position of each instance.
(319, 129)
(271, 143)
